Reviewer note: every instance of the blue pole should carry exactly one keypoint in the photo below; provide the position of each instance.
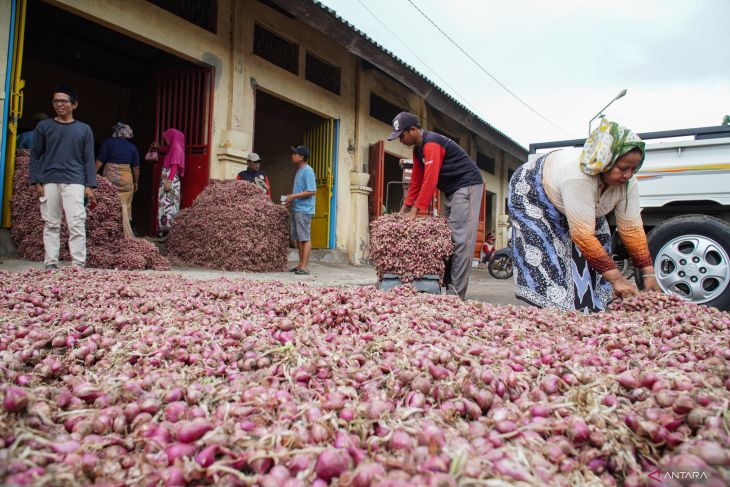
(333, 198)
(6, 109)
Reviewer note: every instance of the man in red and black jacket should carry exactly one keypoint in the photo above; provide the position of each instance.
(253, 174)
(439, 162)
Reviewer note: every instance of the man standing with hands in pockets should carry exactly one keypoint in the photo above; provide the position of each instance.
(63, 172)
(439, 162)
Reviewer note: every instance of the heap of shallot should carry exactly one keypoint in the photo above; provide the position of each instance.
(232, 226)
(411, 248)
(105, 243)
(129, 378)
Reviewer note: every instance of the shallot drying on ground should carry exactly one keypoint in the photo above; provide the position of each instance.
(127, 378)
(106, 246)
(410, 249)
(232, 226)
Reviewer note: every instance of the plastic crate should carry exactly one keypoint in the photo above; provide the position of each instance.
(426, 284)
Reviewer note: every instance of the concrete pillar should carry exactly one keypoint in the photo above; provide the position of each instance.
(234, 140)
(232, 161)
(358, 246)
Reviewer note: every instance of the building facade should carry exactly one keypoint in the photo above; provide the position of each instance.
(241, 76)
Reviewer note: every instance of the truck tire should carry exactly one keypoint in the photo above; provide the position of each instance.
(620, 256)
(692, 259)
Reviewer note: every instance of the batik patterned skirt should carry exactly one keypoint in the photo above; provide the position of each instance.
(168, 202)
(120, 175)
(549, 270)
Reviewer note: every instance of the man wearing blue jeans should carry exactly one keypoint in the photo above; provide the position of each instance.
(302, 202)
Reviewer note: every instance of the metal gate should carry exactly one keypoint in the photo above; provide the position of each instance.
(482, 225)
(376, 164)
(13, 105)
(322, 143)
(185, 102)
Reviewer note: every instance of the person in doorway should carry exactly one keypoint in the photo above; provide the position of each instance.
(173, 168)
(25, 140)
(63, 173)
(254, 175)
(487, 249)
(120, 159)
(439, 162)
(302, 201)
(558, 205)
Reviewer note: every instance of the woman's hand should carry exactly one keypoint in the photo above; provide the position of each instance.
(622, 288)
(651, 284)
(168, 185)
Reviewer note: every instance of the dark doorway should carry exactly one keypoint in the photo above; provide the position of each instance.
(393, 181)
(278, 126)
(491, 221)
(114, 75)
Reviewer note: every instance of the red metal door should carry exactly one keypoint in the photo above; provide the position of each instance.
(185, 102)
(482, 226)
(377, 174)
(377, 182)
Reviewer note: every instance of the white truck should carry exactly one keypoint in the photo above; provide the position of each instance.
(685, 199)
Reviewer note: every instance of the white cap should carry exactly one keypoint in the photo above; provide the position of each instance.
(253, 157)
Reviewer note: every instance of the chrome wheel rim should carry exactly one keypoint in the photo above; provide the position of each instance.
(693, 267)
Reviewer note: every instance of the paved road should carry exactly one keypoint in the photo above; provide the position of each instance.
(482, 286)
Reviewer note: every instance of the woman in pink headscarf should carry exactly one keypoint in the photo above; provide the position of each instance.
(172, 169)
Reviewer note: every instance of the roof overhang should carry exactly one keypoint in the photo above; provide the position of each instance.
(328, 23)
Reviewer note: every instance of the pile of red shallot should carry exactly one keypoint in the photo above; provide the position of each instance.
(106, 246)
(410, 248)
(232, 226)
(127, 378)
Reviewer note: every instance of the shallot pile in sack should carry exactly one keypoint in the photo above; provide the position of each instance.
(410, 249)
(129, 378)
(106, 246)
(233, 226)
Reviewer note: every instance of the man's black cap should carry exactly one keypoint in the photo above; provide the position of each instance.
(301, 150)
(402, 121)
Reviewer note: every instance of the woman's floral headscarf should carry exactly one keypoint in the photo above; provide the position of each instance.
(122, 130)
(606, 145)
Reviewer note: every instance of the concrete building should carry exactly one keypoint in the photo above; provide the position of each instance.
(240, 76)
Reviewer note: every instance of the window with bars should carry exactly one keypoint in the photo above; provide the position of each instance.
(510, 173)
(269, 45)
(322, 73)
(203, 14)
(382, 109)
(486, 163)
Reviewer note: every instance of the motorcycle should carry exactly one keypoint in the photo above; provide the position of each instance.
(500, 265)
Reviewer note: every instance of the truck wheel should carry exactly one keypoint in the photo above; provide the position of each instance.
(692, 259)
(621, 257)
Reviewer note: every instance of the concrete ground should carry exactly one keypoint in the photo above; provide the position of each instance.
(482, 286)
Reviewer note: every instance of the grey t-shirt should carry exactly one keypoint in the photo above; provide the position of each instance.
(63, 153)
